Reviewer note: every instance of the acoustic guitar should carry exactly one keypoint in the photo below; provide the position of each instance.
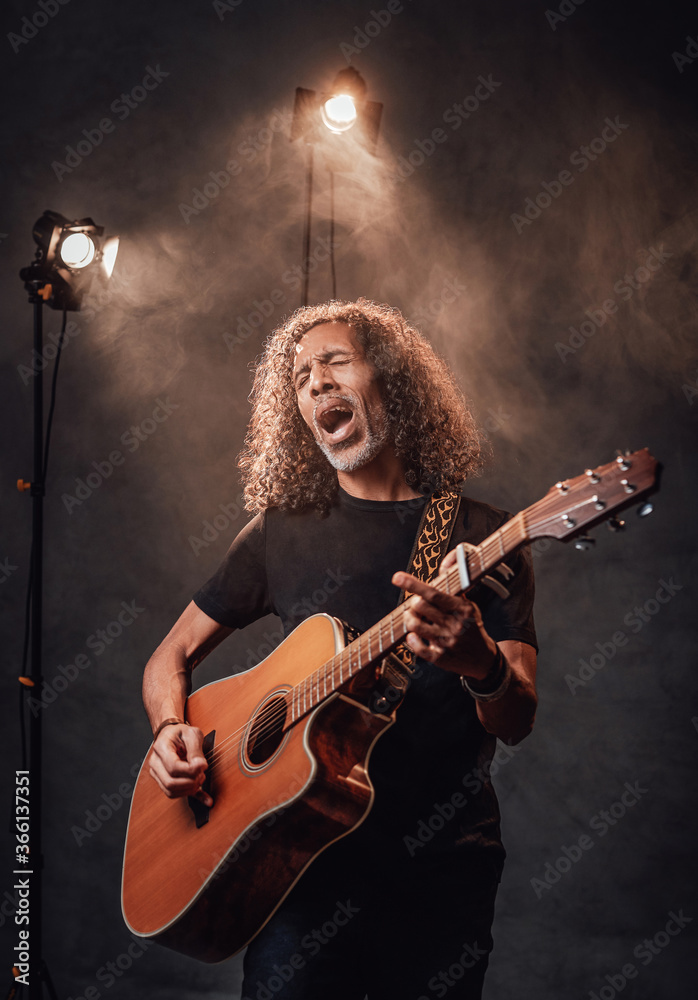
(288, 744)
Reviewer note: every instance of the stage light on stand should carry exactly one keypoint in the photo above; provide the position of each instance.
(351, 121)
(68, 255)
(342, 109)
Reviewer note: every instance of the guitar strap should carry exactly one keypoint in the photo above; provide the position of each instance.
(430, 546)
(433, 535)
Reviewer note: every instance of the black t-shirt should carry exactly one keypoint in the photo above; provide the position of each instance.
(298, 564)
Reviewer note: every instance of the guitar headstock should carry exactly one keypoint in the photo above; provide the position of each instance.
(575, 504)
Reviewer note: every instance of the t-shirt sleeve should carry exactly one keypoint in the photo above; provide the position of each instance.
(237, 593)
(511, 617)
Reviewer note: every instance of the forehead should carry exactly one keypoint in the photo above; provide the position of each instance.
(326, 339)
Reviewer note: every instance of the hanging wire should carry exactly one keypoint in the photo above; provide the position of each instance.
(308, 218)
(332, 263)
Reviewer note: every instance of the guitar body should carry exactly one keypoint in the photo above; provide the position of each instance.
(279, 797)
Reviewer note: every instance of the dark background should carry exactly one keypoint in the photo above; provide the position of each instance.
(179, 323)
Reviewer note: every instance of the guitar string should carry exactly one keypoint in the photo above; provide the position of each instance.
(314, 679)
(486, 552)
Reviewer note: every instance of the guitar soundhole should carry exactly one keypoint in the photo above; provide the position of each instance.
(267, 731)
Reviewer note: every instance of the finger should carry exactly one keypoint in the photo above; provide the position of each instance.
(177, 787)
(448, 562)
(406, 581)
(422, 608)
(449, 630)
(427, 650)
(180, 748)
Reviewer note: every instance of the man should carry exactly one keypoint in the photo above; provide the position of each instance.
(354, 420)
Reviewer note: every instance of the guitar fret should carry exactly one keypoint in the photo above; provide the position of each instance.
(392, 631)
(380, 639)
(369, 643)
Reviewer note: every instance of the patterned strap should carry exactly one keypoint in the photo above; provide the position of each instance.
(433, 536)
(430, 546)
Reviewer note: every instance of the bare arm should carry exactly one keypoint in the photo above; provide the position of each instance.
(178, 764)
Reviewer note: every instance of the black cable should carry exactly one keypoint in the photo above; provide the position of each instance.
(332, 266)
(308, 216)
(52, 403)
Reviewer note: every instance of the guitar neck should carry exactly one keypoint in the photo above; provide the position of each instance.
(383, 637)
(564, 512)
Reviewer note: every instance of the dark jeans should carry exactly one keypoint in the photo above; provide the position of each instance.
(411, 929)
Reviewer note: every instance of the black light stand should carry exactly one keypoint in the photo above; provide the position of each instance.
(38, 971)
(59, 280)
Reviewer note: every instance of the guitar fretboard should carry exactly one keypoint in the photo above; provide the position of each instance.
(383, 637)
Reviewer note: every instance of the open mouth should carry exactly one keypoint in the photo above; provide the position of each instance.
(335, 419)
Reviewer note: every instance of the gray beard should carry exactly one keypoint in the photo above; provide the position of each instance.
(373, 444)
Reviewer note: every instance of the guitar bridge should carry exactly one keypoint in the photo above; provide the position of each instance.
(198, 808)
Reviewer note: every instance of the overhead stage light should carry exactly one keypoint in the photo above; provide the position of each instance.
(339, 113)
(342, 109)
(68, 255)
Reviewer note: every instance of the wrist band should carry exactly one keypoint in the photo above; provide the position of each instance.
(494, 684)
(168, 722)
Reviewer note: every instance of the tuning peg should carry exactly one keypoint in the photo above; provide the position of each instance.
(645, 509)
(615, 525)
(584, 543)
